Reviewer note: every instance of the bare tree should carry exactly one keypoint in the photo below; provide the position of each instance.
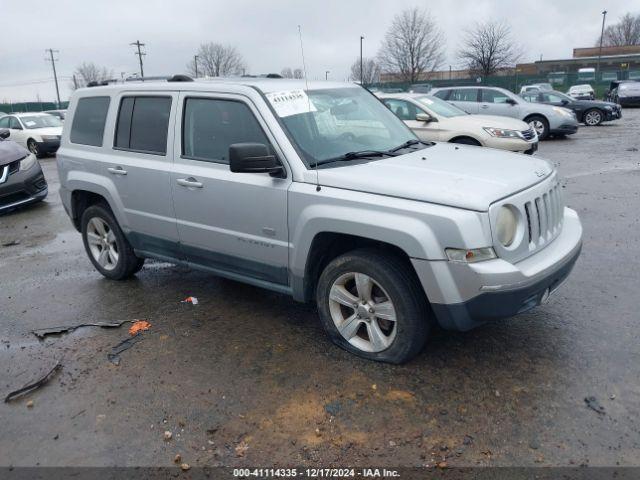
(287, 72)
(298, 73)
(89, 72)
(625, 32)
(217, 60)
(412, 45)
(370, 71)
(488, 47)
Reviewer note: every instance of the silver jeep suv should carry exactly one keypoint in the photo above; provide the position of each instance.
(318, 192)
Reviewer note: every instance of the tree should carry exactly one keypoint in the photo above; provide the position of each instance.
(298, 73)
(625, 32)
(287, 72)
(370, 71)
(488, 47)
(412, 45)
(217, 60)
(89, 72)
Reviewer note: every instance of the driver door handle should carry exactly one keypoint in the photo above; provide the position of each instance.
(117, 171)
(484, 106)
(189, 182)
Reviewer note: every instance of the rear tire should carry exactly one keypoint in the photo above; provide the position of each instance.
(105, 244)
(371, 304)
(540, 125)
(593, 117)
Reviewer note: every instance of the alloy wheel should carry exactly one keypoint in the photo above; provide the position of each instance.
(102, 243)
(363, 312)
(33, 148)
(593, 118)
(538, 126)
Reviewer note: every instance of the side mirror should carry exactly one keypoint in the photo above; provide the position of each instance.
(511, 101)
(565, 101)
(4, 133)
(425, 117)
(253, 158)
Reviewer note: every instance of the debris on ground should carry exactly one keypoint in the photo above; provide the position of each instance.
(138, 326)
(241, 449)
(632, 149)
(593, 404)
(43, 332)
(30, 404)
(177, 459)
(167, 435)
(185, 467)
(34, 385)
(11, 243)
(193, 300)
(126, 344)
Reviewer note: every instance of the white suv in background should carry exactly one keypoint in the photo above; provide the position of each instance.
(38, 132)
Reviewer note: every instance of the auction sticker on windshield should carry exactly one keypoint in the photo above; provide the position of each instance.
(290, 102)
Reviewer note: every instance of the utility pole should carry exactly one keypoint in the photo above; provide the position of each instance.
(326, 74)
(195, 64)
(361, 74)
(140, 54)
(604, 15)
(55, 75)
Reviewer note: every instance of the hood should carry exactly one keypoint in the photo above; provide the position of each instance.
(47, 131)
(596, 103)
(480, 121)
(456, 175)
(10, 152)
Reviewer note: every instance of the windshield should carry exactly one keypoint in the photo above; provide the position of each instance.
(329, 123)
(440, 107)
(41, 121)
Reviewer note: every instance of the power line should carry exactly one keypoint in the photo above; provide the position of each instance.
(55, 75)
(140, 53)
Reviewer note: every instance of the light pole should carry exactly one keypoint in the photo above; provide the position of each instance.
(604, 16)
(326, 74)
(361, 74)
(195, 64)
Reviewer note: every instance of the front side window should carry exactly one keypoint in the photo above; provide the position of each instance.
(402, 109)
(4, 122)
(494, 96)
(326, 124)
(442, 94)
(143, 124)
(464, 95)
(88, 121)
(14, 123)
(555, 98)
(441, 108)
(210, 126)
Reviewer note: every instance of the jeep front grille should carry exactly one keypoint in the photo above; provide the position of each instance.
(544, 216)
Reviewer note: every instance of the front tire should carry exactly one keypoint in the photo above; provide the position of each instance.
(371, 304)
(32, 146)
(106, 245)
(540, 125)
(593, 117)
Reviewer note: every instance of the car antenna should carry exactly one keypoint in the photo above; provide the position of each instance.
(306, 83)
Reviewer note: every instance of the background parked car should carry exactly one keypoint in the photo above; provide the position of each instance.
(21, 178)
(591, 112)
(545, 119)
(61, 114)
(582, 92)
(536, 87)
(432, 119)
(627, 94)
(39, 132)
(610, 94)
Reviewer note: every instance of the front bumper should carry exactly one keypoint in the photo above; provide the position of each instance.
(23, 188)
(512, 144)
(48, 146)
(464, 296)
(564, 129)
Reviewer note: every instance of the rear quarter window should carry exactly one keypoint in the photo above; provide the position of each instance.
(89, 120)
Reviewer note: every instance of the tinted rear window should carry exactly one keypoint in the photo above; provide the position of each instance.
(88, 121)
(143, 123)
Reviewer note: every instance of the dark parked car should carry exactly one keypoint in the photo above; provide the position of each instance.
(21, 179)
(590, 112)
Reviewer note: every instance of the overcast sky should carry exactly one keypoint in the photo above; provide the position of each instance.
(265, 32)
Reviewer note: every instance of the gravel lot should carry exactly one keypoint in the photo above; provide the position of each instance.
(247, 377)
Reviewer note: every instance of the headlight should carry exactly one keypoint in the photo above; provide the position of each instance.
(607, 107)
(506, 225)
(46, 138)
(470, 256)
(501, 132)
(563, 111)
(27, 162)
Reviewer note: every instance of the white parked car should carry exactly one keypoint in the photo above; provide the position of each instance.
(432, 119)
(582, 92)
(39, 132)
(536, 87)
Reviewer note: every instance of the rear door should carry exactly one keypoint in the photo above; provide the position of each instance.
(465, 98)
(232, 223)
(495, 102)
(139, 165)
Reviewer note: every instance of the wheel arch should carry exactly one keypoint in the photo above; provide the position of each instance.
(465, 137)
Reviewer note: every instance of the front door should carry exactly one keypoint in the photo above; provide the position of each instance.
(465, 98)
(495, 102)
(232, 223)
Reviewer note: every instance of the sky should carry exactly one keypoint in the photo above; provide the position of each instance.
(265, 32)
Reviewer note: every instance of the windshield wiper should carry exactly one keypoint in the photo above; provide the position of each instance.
(359, 154)
(408, 143)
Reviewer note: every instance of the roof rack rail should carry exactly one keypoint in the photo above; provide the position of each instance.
(180, 78)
